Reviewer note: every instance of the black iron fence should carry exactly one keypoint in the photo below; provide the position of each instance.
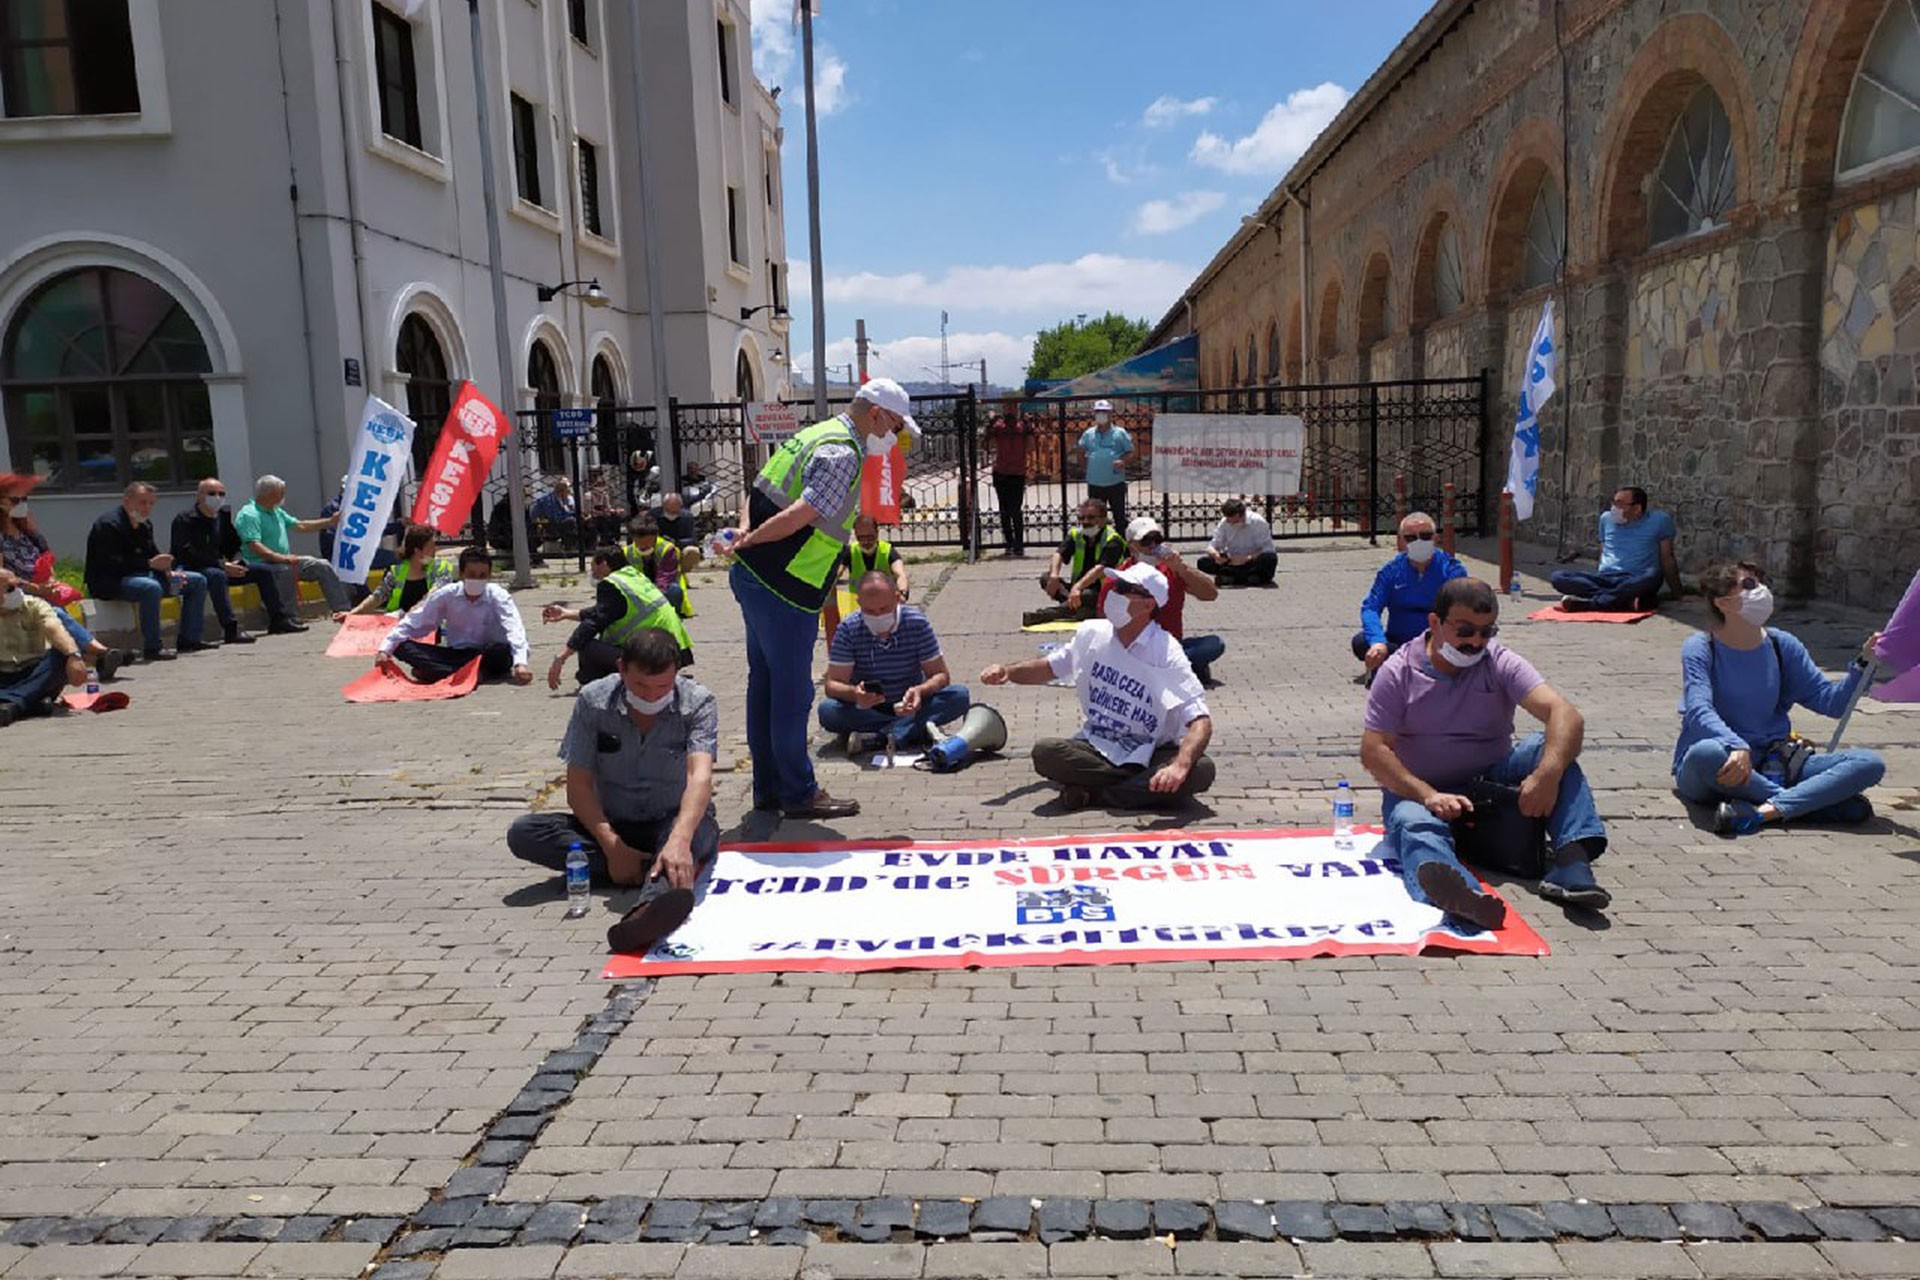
(1370, 450)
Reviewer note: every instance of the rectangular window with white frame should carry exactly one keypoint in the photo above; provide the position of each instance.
(580, 21)
(526, 150)
(591, 220)
(67, 58)
(396, 77)
(727, 46)
(406, 107)
(736, 233)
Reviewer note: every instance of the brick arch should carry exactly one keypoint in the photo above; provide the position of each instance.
(1832, 41)
(1272, 354)
(1439, 210)
(1327, 322)
(1681, 55)
(1291, 357)
(1373, 308)
(1532, 156)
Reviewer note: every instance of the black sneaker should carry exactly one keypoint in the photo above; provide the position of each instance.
(285, 627)
(158, 655)
(649, 922)
(197, 646)
(109, 664)
(8, 714)
(1454, 894)
(235, 635)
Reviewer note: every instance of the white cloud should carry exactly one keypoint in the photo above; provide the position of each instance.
(1094, 282)
(1280, 138)
(776, 59)
(1167, 109)
(917, 359)
(1126, 165)
(1157, 217)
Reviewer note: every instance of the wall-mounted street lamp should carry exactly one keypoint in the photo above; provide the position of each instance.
(779, 312)
(593, 296)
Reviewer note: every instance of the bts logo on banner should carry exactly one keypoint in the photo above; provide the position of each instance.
(460, 462)
(374, 471)
(1083, 902)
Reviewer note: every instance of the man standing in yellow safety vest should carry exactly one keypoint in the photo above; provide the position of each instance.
(799, 516)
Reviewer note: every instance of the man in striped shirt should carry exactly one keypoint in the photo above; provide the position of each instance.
(885, 673)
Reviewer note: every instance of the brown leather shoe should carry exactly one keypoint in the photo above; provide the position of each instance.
(823, 805)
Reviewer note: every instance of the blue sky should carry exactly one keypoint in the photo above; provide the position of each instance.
(1017, 162)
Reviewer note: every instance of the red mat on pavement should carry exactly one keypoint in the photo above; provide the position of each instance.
(1554, 613)
(396, 686)
(105, 700)
(360, 635)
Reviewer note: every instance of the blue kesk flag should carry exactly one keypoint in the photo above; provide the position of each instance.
(374, 471)
(1536, 388)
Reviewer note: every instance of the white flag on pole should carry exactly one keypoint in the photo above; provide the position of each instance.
(814, 7)
(410, 7)
(1536, 388)
(375, 468)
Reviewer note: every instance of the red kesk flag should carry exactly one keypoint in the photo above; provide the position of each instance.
(461, 460)
(880, 485)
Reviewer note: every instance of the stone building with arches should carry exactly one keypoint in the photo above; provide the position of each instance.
(223, 224)
(1721, 200)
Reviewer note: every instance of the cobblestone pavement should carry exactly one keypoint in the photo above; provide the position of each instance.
(275, 1001)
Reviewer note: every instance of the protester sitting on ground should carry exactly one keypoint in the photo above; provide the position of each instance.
(624, 602)
(1075, 569)
(473, 618)
(22, 548)
(124, 563)
(639, 750)
(1144, 721)
(675, 521)
(658, 560)
(1737, 750)
(205, 541)
(886, 677)
(553, 512)
(1241, 552)
(37, 656)
(408, 580)
(864, 553)
(1440, 722)
(264, 525)
(1636, 552)
(1405, 588)
(1147, 544)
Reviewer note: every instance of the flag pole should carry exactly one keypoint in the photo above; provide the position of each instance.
(814, 267)
(1866, 682)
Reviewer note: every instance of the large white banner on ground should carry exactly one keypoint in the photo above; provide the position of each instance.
(375, 469)
(1123, 899)
(1227, 453)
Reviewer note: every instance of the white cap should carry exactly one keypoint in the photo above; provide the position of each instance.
(1140, 526)
(1142, 575)
(1105, 406)
(892, 397)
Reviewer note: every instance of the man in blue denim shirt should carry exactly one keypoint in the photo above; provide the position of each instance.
(1405, 588)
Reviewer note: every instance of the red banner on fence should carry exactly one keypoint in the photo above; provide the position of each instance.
(880, 485)
(461, 459)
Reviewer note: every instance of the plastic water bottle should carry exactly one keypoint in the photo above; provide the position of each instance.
(721, 543)
(1513, 589)
(576, 880)
(93, 681)
(1343, 817)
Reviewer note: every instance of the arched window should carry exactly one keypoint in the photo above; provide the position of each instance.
(1883, 107)
(1253, 362)
(606, 395)
(1273, 352)
(1233, 375)
(1694, 186)
(743, 378)
(103, 378)
(1546, 244)
(429, 388)
(1449, 276)
(543, 375)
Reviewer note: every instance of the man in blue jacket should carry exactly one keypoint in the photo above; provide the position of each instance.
(1404, 588)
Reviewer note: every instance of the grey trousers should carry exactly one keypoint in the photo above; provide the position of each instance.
(1074, 763)
(312, 569)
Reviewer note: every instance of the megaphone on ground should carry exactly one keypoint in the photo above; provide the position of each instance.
(981, 729)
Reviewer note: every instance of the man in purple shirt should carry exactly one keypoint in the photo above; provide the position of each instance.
(1439, 717)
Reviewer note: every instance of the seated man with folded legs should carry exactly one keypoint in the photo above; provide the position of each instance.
(1241, 553)
(1737, 751)
(205, 541)
(473, 618)
(624, 600)
(639, 750)
(885, 673)
(37, 656)
(1636, 554)
(264, 526)
(1147, 544)
(1403, 590)
(1144, 725)
(1440, 717)
(1075, 570)
(125, 563)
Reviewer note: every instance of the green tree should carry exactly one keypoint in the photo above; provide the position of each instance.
(1074, 347)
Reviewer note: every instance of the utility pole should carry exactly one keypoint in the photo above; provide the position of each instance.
(946, 366)
(516, 463)
(860, 346)
(664, 454)
(813, 223)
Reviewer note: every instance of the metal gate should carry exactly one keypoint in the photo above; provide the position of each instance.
(1369, 447)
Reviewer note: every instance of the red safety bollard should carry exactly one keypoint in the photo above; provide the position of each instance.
(1336, 499)
(1446, 518)
(1399, 510)
(1506, 538)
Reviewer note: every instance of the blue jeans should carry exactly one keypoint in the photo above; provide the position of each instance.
(1831, 778)
(36, 684)
(145, 593)
(81, 636)
(779, 691)
(948, 704)
(1417, 837)
(1614, 589)
(219, 586)
(1202, 652)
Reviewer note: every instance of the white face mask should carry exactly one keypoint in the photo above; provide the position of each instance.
(1420, 552)
(14, 600)
(20, 511)
(1102, 421)
(650, 706)
(882, 624)
(213, 501)
(1116, 609)
(1756, 606)
(1455, 658)
(474, 587)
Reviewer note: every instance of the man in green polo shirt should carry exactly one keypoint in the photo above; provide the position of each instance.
(264, 525)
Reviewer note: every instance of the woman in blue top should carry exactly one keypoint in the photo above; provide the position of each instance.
(1741, 681)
